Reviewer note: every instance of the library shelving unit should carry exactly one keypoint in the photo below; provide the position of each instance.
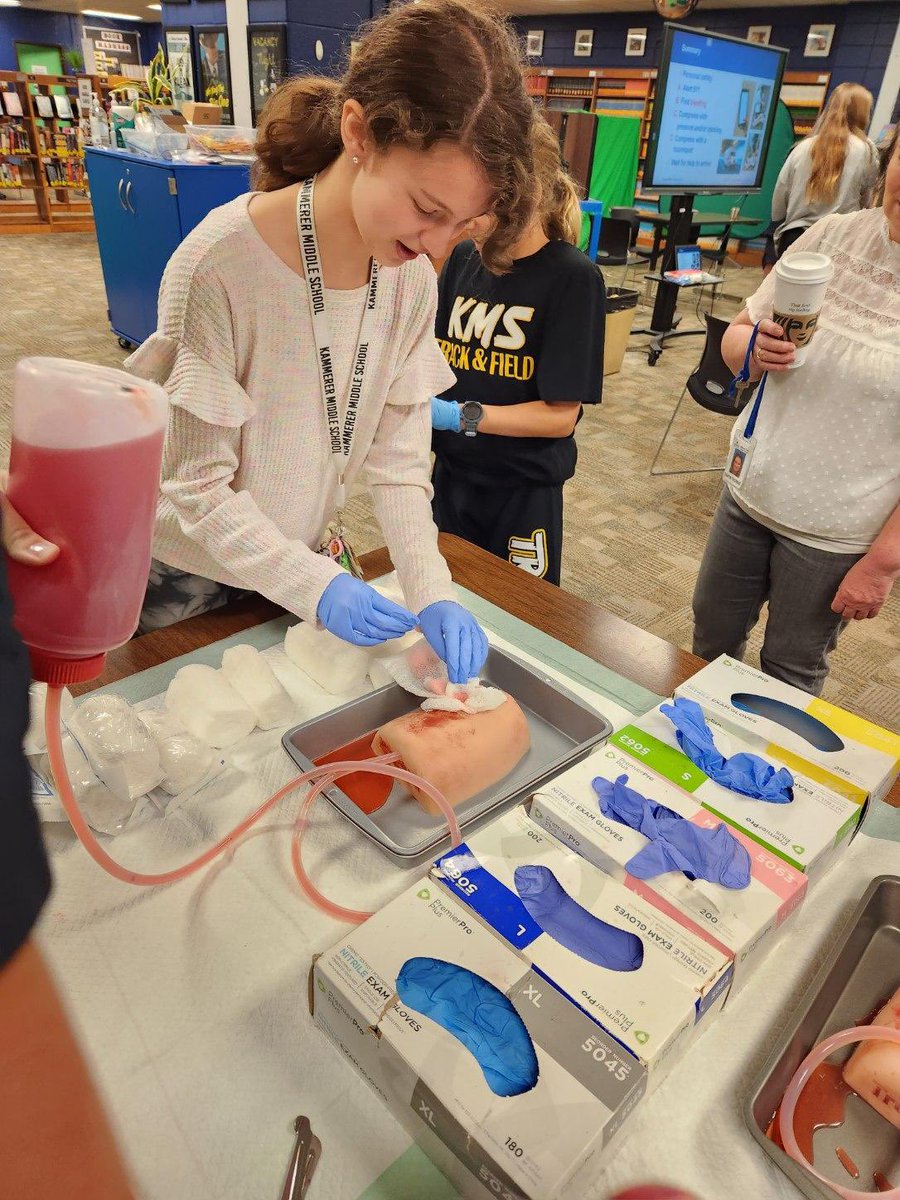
(804, 93)
(42, 179)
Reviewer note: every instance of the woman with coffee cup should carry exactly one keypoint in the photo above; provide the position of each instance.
(811, 522)
(831, 171)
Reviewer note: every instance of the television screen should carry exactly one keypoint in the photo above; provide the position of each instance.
(713, 114)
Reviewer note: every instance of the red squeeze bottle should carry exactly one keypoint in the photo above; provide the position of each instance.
(84, 473)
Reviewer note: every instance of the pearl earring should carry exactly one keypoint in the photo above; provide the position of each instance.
(355, 161)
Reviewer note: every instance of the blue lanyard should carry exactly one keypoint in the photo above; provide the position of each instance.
(744, 377)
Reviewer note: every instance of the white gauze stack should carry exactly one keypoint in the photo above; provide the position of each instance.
(208, 706)
(330, 662)
(258, 686)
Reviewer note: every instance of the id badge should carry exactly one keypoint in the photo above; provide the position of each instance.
(738, 466)
(338, 549)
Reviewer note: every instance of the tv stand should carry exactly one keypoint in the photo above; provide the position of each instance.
(664, 319)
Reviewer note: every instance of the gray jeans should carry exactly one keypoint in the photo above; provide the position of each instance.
(744, 565)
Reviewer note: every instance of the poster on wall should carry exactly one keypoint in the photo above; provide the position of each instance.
(110, 51)
(584, 43)
(266, 46)
(818, 41)
(759, 34)
(636, 43)
(534, 45)
(181, 65)
(214, 69)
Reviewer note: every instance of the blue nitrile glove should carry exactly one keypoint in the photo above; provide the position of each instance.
(455, 637)
(563, 919)
(748, 774)
(445, 415)
(676, 844)
(355, 612)
(478, 1015)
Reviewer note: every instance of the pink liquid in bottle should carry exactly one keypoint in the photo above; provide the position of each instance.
(84, 473)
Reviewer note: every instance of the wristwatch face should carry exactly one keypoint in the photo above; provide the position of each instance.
(472, 411)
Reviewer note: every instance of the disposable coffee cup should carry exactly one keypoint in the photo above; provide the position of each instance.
(800, 283)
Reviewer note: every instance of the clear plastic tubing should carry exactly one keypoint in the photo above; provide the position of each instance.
(322, 777)
(815, 1058)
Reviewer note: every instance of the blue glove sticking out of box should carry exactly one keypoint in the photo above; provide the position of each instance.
(748, 774)
(676, 844)
(478, 1015)
(564, 920)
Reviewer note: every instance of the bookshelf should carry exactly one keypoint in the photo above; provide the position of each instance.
(41, 155)
(804, 94)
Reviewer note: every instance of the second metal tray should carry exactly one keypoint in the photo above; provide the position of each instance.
(563, 729)
(859, 976)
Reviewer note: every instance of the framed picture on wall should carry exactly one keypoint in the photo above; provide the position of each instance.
(584, 43)
(267, 50)
(214, 68)
(181, 65)
(534, 44)
(818, 41)
(636, 43)
(759, 34)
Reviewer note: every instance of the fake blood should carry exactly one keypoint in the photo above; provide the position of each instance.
(821, 1105)
(367, 791)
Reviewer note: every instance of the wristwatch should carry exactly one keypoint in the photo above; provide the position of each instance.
(472, 415)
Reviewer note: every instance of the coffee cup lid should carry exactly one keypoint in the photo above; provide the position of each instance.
(805, 267)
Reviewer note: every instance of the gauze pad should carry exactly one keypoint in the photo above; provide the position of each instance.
(478, 1015)
(208, 706)
(564, 919)
(333, 664)
(258, 686)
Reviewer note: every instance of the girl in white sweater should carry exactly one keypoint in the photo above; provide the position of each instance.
(296, 330)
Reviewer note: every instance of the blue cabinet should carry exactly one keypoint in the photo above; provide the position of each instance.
(143, 208)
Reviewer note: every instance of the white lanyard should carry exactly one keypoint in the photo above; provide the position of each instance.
(341, 439)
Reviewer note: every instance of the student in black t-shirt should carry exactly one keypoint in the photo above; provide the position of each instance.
(527, 350)
(55, 1137)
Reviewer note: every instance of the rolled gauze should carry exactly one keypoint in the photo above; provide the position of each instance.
(185, 760)
(208, 706)
(258, 686)
(118, 745)
(332, 663)
(460, 753)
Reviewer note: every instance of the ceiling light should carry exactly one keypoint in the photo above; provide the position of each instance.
(155, 7)
(96, 12)
(10, 3)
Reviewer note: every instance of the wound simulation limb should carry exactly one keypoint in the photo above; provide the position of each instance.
(478, 1015)
(745, 773)
(564, 920)
(676, 844)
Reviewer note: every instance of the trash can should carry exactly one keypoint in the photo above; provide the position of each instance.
(621, 304)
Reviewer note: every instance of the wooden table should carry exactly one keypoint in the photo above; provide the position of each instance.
(602, 636)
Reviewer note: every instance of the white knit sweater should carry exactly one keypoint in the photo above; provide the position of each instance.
(248, 484)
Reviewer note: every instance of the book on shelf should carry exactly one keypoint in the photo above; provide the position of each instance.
(63, 107)
(12, 102)
(44, 106)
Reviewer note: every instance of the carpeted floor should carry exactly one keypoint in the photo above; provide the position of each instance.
(633, 543)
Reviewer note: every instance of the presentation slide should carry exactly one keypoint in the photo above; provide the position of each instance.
(715, 113)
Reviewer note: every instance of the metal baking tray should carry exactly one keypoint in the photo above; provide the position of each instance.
(860, 975)
(563, 730)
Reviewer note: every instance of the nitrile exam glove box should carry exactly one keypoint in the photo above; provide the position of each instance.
(808, 833)
(741, 922)
(646, 979)
(507, 1085)
(828, 745)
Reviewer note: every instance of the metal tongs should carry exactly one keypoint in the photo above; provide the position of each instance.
(304, 1160)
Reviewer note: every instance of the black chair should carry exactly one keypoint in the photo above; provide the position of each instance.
(708, 386)
(616, 236)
